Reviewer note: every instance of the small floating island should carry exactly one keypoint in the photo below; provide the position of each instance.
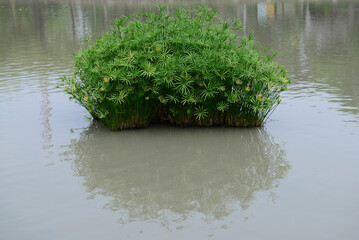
(189, 68)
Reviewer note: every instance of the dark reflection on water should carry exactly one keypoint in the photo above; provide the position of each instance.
(166, 174)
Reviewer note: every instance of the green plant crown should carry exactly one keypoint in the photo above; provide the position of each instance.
(188, 67)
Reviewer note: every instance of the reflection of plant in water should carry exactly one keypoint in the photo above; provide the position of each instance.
(166, 174)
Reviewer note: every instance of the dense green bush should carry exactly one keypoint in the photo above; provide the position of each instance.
(188, 68)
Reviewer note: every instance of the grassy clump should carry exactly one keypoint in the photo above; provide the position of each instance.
(188, 68)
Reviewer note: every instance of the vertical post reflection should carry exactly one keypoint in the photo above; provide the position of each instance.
(45, 114)
(39, 21)
(72, 19)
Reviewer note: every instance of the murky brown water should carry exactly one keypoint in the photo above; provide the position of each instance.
(63, 177)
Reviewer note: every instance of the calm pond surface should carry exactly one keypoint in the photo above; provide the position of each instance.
(64, 177)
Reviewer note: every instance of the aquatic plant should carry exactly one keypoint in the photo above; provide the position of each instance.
(188, 68)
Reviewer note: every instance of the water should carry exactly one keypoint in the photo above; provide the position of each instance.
(63, 177)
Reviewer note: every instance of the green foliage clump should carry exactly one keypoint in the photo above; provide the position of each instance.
(187, 68)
